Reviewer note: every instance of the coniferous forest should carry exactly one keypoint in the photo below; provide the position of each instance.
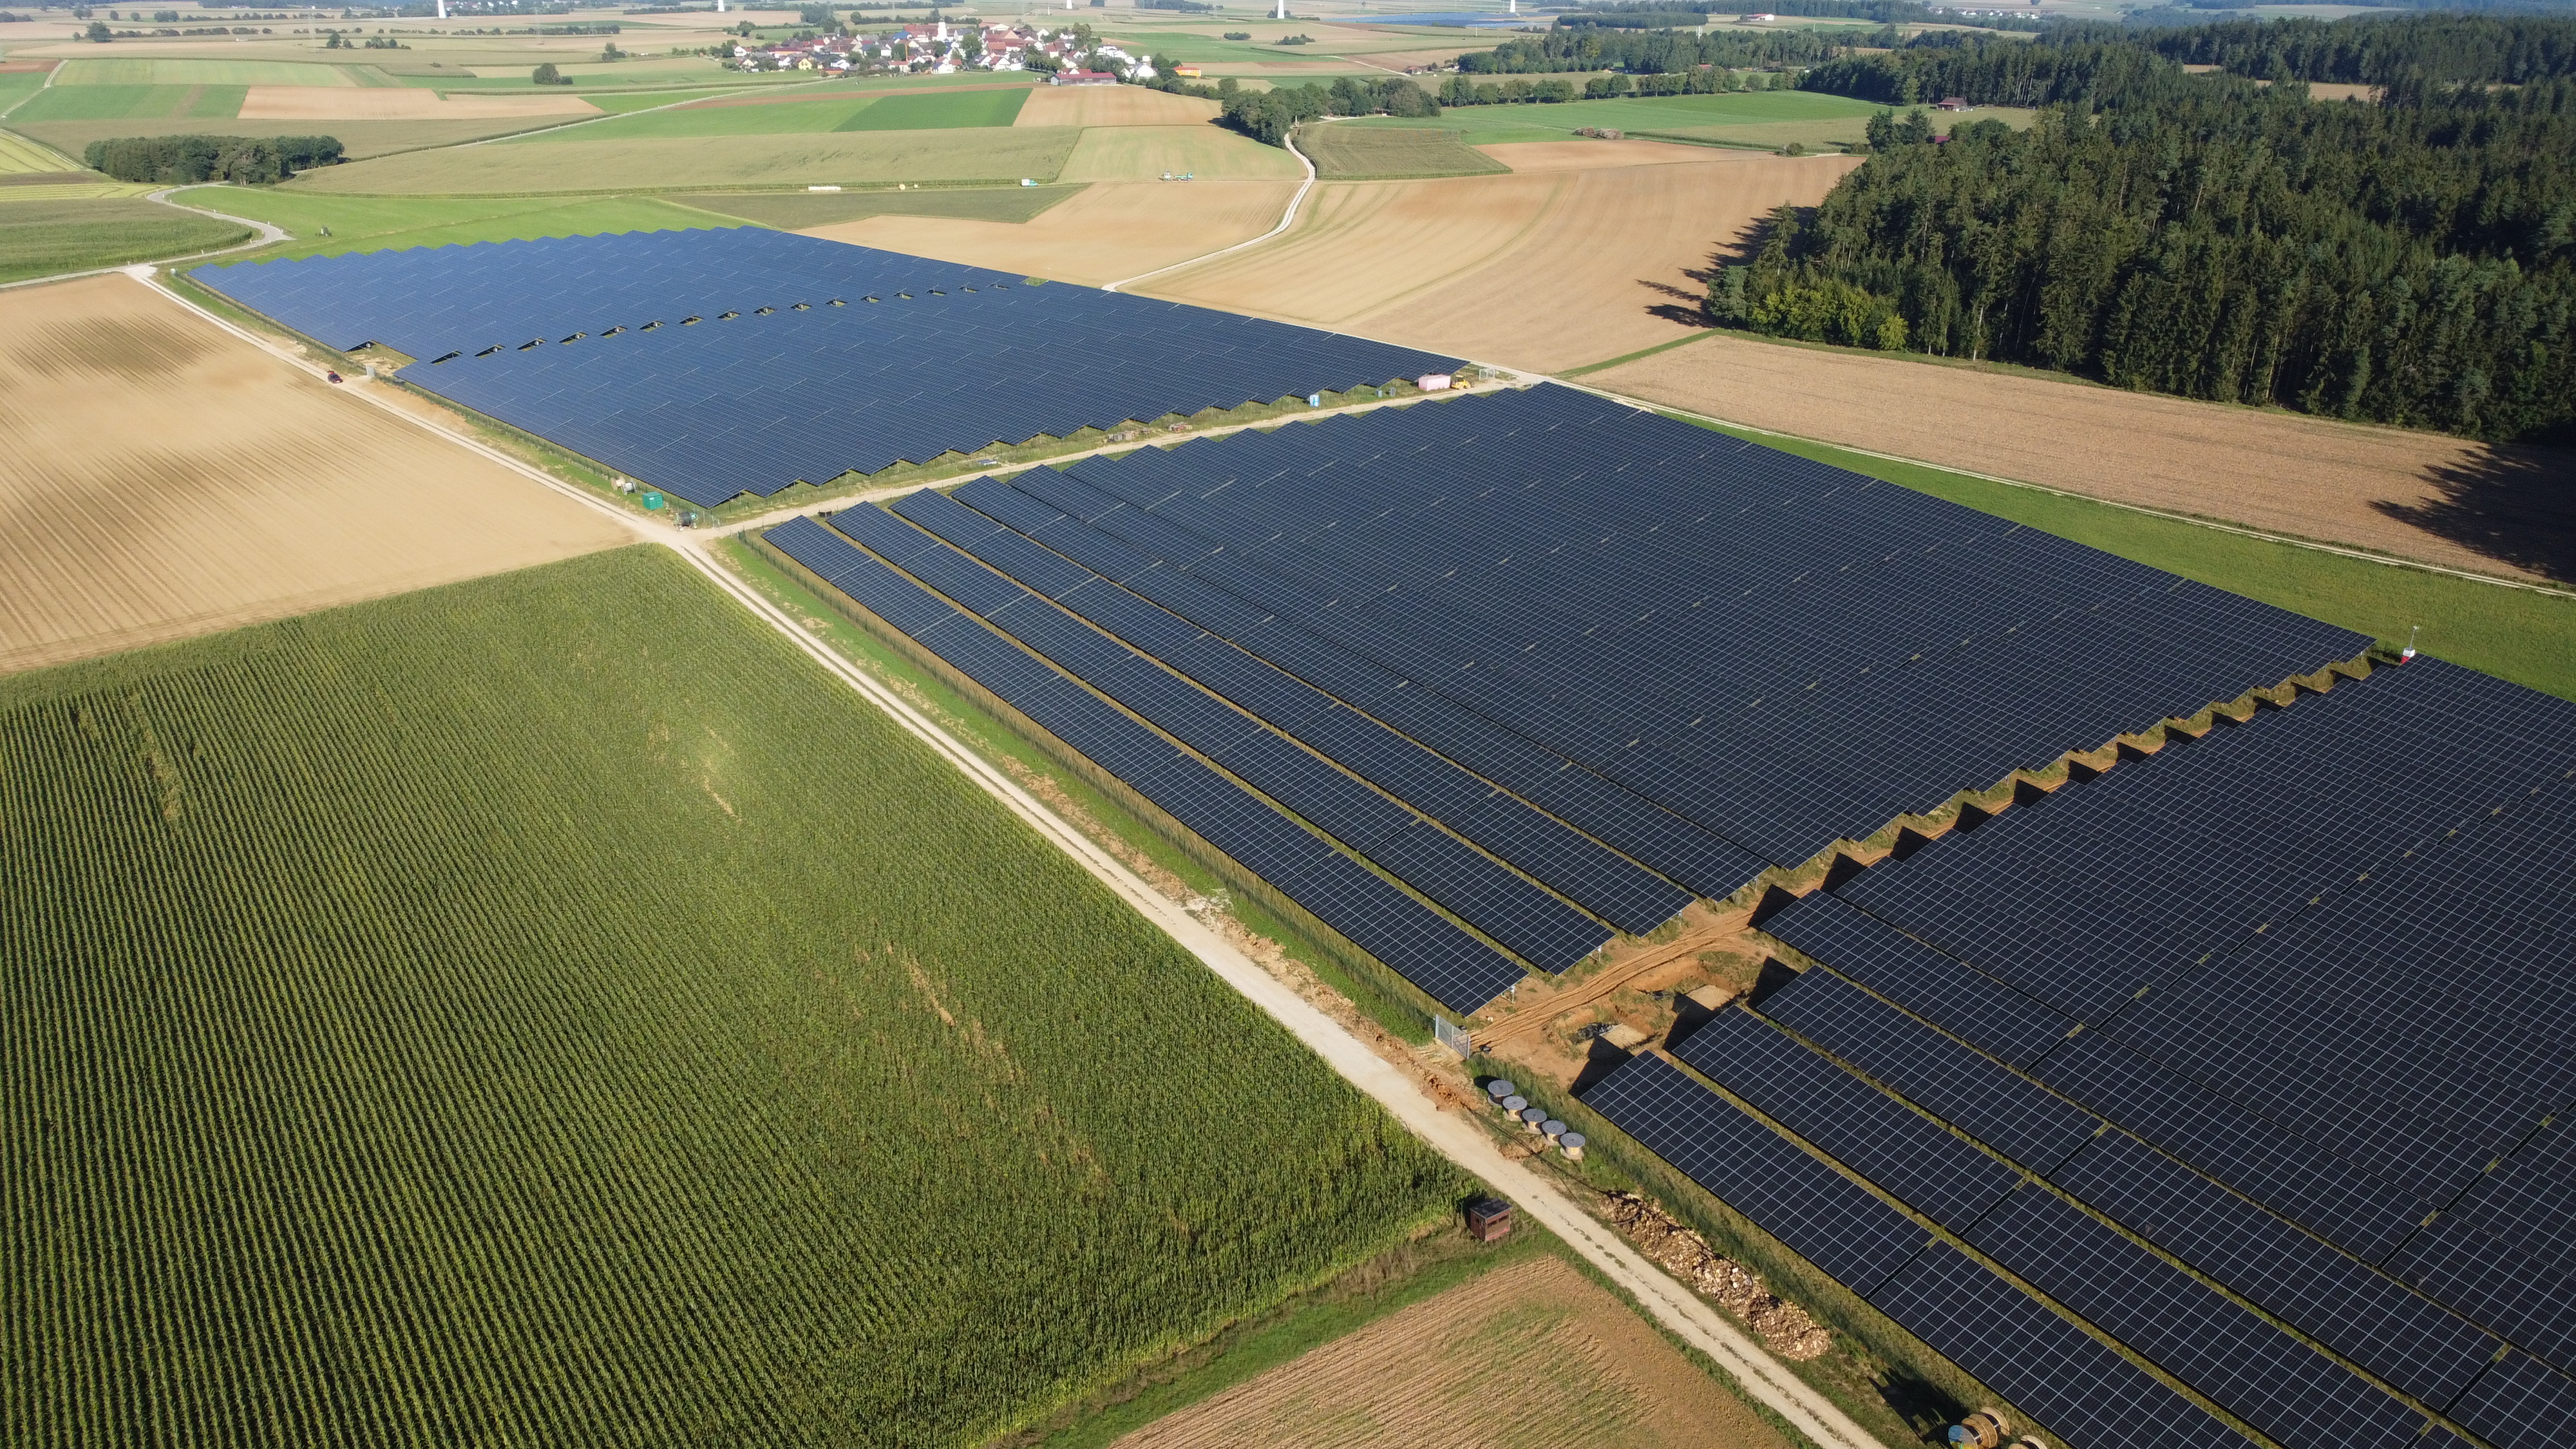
(2409, 258)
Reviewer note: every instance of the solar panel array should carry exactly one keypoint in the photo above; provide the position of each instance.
(1446, 962)
(1748, 654)
(2248, 1058)
(716, 363)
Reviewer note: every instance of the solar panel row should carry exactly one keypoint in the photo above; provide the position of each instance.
(1451, 966)
(1777, 651)
(2310, 973)
(2232, 1355)
(718, 363)
(1621, 892)
(2081, 1388)
(1624, 821)
(1488, 896)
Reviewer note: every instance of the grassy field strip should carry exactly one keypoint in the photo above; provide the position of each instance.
(20, 156)
(50, 241)
(76, 191)
(1461, 1140)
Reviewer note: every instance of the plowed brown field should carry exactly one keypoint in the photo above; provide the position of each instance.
(1531, 1356)
(2423, 496)
(1112, 229)
(1542, 270)
(160, 477)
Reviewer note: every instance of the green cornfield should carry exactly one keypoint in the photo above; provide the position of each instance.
(550, 1011)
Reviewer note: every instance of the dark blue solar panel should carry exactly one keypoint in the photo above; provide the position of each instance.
(1965, 1088)
(1821, 1215)
(2079, 1387)
(2243, 1363)
(1591, 579)
(2405, 1339)
(1485, 895)
(2521, 1403)
(1621, 892)
(833, 359)
(1450, 966)
(1913, 1159)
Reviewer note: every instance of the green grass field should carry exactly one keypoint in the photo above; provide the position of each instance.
(550, 1010)
(41, 238)
(868, 158)
(148, 71)
(368, 223)
(1345, 153)
(795, 210)
(2515, 634)
(939, 112)
(129, 102)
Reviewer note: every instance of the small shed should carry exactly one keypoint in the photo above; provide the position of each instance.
(1952, 103)
(1489, 1220)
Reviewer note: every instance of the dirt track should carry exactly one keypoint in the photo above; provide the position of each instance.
(160, 478)
(1529, 1355)
(2417, 495)
(1544, 269)
(1112, 229)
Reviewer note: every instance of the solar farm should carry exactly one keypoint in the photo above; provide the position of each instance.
(717, 363)
(2276, 1106)
(2210, 1098)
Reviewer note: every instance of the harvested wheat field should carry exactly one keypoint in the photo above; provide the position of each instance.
(160, 477)
(352, 103)
(1145, 153)
(1529, 1356)
(1591, 155)
(1542, 270)
(2423, 496)
(1112, 106)
(1110, 230)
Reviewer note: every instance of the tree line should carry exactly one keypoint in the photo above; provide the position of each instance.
(1661, 52)
(1268, 116)
(2409, 262)
(184, 160)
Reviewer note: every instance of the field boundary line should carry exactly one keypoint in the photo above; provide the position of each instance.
(1454, 1135)
(1286, 220)
(2169, 515)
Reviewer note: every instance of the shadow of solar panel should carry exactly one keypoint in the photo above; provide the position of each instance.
(1815, 1211)
(683, 358)
(1450, 966)
(2081, 1389)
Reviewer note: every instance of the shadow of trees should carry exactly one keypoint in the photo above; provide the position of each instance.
(1685, 306)
(2515, 504)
